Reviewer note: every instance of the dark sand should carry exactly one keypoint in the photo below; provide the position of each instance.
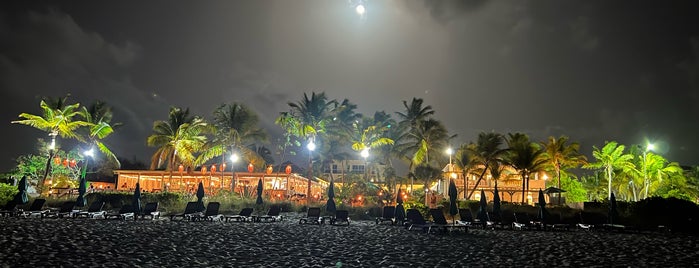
(145, 243)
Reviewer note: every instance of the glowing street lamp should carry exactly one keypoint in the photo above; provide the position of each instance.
(311, 147)
(365, 154)
(234, 158)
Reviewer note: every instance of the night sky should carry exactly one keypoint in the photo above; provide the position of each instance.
(593, 70)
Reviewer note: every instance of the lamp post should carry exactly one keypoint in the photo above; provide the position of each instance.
(311, 147)
(365, 154)
(450, 152)
(234, 158)
(649, 147)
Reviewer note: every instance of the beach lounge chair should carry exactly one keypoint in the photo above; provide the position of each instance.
(93, 211)
(340, 217)
(273, 214)
(9, 209)
(465, 216)
(495, 221)
(124, 213)
(211, 213)
(66, 210)
(416, 220)
(150, 210)
(389, 214)
(589, 220)
(439, 221)
(244, 215)
(522, 221)
(555, 222)
(36, 209)
(190, 209)
(312, 217)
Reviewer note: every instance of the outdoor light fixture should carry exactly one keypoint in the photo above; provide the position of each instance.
(365, 153)
(234, 158)
(89, 152)
(650, 147)
(311, 145)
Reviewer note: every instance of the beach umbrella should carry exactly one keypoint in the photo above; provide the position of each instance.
(453, 207)
(613, 212)
(21, 196)
(400, 210)
(330, 207)
(200, 196)
(81, 202)
(483, 209)
(496, 202)
(542, 207)
(260, 188)
(136, 201)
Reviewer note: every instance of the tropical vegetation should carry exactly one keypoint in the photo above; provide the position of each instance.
(413, 135)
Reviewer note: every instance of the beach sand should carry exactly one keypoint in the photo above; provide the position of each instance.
(145, 243)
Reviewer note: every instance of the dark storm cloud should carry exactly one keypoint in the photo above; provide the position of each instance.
(46, 53)
(592, 70)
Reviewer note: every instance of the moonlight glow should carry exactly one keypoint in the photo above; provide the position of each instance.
(360, 9)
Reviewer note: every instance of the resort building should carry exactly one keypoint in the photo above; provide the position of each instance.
(338, 169)
(277, 185)
(509, 185)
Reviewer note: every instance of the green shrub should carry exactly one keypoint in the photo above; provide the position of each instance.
(7, 193)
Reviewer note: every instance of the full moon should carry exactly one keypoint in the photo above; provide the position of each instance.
(360, 9)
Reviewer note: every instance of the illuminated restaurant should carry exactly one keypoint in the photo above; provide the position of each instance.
(277, 185)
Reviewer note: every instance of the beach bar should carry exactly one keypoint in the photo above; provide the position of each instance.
(276, 185)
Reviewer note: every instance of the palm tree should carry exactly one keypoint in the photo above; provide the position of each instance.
(561, 156)
(429, 137)
(58, 120)
(177, 139)
(611, 157)
(414, 113)
(427, 173)
(235, 127)
(308, 118)
(99, 118)
(525, 157)
(368, 135)
(463, 159)
(658, 168)
(486, 150)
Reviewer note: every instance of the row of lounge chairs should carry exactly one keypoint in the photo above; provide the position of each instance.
(95, 210)
(514, 221)
(211, 213)
(313, 216)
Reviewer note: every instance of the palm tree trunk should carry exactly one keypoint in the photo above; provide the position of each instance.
(524, 184)
(465, 184)
(609, 178)
(46, 173)
(479, 179)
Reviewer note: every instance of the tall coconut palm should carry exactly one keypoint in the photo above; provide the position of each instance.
(369, 136)
(463, 159)
(235, 127)
(427, 139)
(58, 119)
(308, 118)
(560, 156)
(611, 157)
(177, 139)
(524, 156)
(414, 113)
(487, 149)
(658, 168)
(99, 117)
(339, 135)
